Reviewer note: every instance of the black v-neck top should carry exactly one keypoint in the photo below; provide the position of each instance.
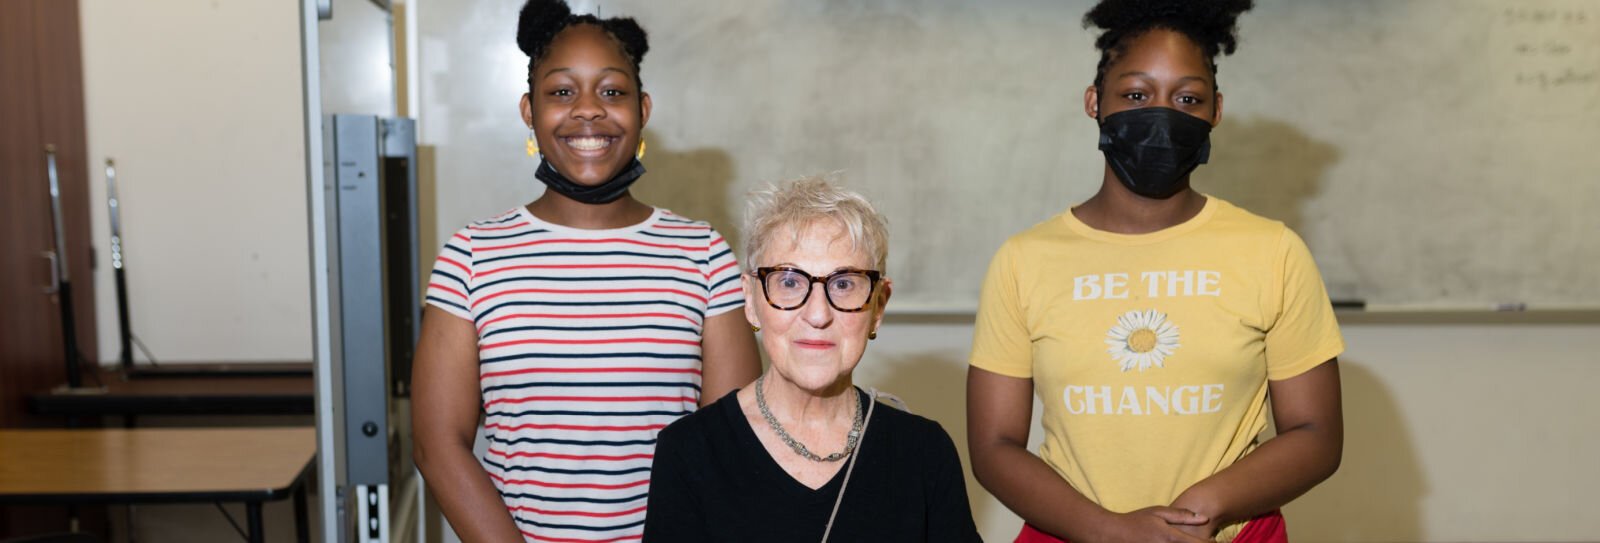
(712, 480)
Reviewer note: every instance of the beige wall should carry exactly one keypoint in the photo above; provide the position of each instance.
(1465, 433)
(1454, 432)
(199, 102)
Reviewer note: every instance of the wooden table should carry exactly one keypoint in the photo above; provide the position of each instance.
(158, 465)
(278, 389)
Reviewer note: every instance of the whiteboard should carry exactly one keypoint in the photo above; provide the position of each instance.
(1433, 153)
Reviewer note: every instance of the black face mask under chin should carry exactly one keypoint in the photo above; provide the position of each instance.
(603, 193)
(1153, 149)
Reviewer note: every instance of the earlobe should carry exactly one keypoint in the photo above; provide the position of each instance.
(644, 109)
(749, 299)
(525, 106)
(1216, 114)
(885, 289)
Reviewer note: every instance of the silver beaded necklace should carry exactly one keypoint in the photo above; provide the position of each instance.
(800, 448)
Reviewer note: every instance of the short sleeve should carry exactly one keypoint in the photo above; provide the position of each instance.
(450, 286)
(1001, 342)
(725, 291)
(1304, 332)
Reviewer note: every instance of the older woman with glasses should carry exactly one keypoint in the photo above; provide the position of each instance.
(802, 454)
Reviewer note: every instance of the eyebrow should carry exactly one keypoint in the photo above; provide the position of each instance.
(605, 69)
(1181, 80)
(797, 267)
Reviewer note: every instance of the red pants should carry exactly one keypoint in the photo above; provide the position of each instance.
(1268, 528)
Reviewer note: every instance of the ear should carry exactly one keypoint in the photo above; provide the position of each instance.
(644, 109)
(1091, 102)
(750, 298)
(526, 106)
(1216, 112)
(884, 290)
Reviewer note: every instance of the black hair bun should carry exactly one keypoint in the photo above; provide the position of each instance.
(635, 41)
(1212, 24)
(539, 23)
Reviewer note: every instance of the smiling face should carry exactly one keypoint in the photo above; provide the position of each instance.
(585, 107)
(815, 345)
(1159, 68)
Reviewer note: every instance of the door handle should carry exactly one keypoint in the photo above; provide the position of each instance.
(55, 278)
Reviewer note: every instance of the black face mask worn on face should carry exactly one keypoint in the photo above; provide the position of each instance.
(603, 193)
(1152, 149)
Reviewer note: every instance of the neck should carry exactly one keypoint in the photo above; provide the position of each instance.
(1118, 210)
(811, 408)
(557, 209)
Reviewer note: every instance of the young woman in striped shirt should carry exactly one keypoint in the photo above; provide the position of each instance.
(579, 325)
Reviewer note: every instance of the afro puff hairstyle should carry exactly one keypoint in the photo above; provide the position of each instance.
(1211, 24)
(541, 20)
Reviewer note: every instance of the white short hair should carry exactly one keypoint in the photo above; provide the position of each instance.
(804, 202)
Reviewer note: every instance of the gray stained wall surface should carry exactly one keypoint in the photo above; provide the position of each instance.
(1431, 152)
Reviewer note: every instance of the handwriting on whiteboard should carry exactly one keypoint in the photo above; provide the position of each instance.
(1538, 16)
(1554, 48)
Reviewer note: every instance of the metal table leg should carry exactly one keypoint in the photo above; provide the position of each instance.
(253, 511)
(302, 528)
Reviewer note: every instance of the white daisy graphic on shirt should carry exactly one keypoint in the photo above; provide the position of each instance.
(1142, 339)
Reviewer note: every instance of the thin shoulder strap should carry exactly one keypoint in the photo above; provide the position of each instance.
(872, 401)
(890, 399)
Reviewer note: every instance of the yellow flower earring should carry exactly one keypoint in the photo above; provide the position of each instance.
(640, 154)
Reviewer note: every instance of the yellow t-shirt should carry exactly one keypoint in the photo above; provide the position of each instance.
(1151, 352)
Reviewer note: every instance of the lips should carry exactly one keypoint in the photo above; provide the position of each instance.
(814, 344)
(589, 145)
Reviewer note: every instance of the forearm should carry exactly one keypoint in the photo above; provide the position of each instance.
(466, 496)
(1035, 492)
(1305, 452)
(1277, 472)
(447, 406)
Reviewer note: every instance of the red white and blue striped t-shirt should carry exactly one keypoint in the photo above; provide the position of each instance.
(588, 344)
